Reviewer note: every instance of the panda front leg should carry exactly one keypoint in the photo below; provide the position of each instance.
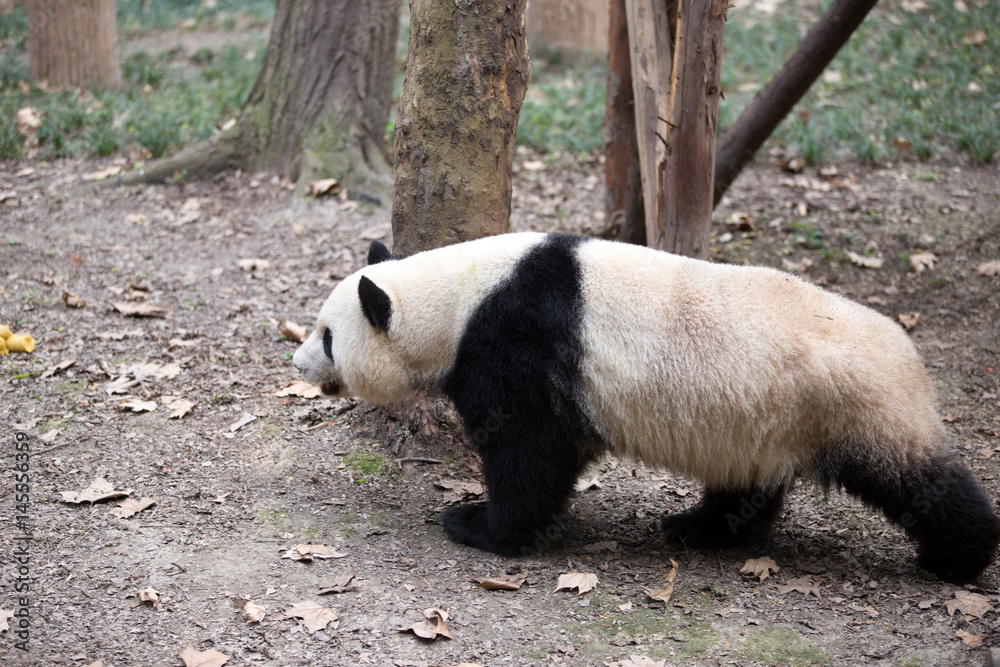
(726, 519)
(529, 473)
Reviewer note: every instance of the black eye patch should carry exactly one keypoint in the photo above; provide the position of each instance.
(328, 344)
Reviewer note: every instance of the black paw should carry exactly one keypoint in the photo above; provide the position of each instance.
(956, 566)
(701, 529)
(465, 524)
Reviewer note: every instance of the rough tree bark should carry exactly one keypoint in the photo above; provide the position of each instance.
(777, 98)
(467, 70)
(689, 169)
(74, 43)
(319, 105)
(569, 26)
(623, 202)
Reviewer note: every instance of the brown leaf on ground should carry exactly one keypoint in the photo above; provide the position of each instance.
(663, 595)
(865, 261)
(582, 581)
(908, 320)
(586, 485)
(989, 268)
(150, 595)
(513, 584)
(968, 638)
(972, 604)
(58, 368)
(803, 585)
(432, 626)
(132, 309)
(129, 506)
(293, 331)
(179, 407)
(254, 612)
(299, 388)
(922, 260)
(759, 567)
(98, 491)
(71, 300)
(637, 661)
(323, 186)
(241, 422)
(135, 405)
(457, 491)
(209, 658)
(313, 615)
(5, 616)
(339, 584)
(308, 552)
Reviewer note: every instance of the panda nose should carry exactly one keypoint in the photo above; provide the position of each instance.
(298, 367)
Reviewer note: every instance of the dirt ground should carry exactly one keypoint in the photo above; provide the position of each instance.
(233, 495)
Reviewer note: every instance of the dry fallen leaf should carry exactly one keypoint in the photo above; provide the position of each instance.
(50, 436)
(129, 506)
(865, 261)
(120, 385)
(968, 638)
(135, 405)
(300, 388)
(638, 661)
(908, 320)
(209, 658)
(150, 595)
(664, 593)
(974, 37)
(98, 491)
(432, 625)
(586, 485)
(972, 604)
(73, 300)
(254, 612)
(324, 186)
(989, 268)
(499, 584)
(308, 552)
(28, 122)
(582, 581)
(113, 170)
(313, 615)
(179, 408)
(241, 422)
(132, 309)
(293, 331)
(4, 617)
(803, 585)
(922, 260)
(456, 491)
(58, 368)
(340, 583)
(759, 567)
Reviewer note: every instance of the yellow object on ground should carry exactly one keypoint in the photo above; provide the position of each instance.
(15, 342)
(3, 348)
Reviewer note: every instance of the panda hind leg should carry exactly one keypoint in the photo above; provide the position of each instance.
(725, 519)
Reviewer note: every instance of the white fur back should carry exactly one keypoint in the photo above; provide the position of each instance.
(736, 374)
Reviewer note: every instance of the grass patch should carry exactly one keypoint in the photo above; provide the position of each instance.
(781, 646)
(366, 463)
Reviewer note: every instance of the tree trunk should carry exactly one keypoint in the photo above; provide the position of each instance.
(623, 202)
(319, 106)
(74, 43)
(689, 170)
(777, 98)
(650, 34)
(568, 26)
(466, 74)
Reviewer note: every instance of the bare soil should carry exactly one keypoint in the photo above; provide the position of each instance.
(230, 501)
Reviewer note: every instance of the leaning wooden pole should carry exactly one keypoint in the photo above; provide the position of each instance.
(689, 167)
(777, 98)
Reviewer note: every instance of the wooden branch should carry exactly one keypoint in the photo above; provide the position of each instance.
(777, 98)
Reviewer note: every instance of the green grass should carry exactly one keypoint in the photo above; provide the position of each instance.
(902, 75)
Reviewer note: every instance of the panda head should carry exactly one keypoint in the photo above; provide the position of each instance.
(351, 352)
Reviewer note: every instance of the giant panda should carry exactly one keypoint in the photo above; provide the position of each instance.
(556, 349)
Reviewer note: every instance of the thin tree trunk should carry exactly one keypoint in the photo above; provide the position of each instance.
(467, 70)
(650, 31)
(569, 26)
(74, 43)
(689, 170)
(782, 92)
(623, 202)
(319, 105)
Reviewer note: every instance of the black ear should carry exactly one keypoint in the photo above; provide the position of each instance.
(377, 252)
(375, 303)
